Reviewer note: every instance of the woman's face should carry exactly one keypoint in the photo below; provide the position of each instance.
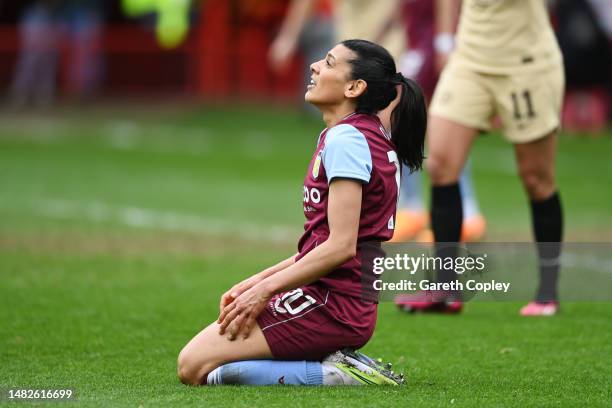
(330, 77)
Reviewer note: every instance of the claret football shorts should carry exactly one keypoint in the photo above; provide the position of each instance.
(312, 322)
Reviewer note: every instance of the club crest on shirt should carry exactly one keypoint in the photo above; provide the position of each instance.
(316, 166)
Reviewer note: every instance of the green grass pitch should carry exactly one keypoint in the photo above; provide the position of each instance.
(121, 227)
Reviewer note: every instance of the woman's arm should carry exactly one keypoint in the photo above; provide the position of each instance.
(344, 207)
(284, 45)
(446, 16)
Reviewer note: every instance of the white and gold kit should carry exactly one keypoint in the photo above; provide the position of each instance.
(507, 63)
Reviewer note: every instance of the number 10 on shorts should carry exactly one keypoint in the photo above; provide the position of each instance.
(289, 302)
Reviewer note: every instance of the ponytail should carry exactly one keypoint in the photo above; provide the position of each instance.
(376, 67)
(409, 123)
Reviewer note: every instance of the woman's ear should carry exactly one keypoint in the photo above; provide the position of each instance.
(355, 88)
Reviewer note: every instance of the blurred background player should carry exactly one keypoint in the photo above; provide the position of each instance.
(384, 22)
(376, 21)
(430, 31)
(507, 63)
(307, 27)
(34, 80)
(45, 25)
(311, 25)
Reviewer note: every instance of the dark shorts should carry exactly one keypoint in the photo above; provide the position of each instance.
(312, 322)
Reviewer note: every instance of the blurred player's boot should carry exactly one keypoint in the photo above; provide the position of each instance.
(431, 301)
(425, 237)
(473, 228)
(540, 309)
(351, 367)
(408, 224)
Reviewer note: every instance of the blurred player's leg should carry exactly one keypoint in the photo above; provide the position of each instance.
(317, 37)
(474, 225)
(536, 166)
(444, 166)
(461, 106)
(35, 73)
(536, 163)
(529, 106)
(424, 20)
(412, 217)
(411, 196)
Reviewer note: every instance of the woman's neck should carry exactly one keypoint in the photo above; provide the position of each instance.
(334, 115)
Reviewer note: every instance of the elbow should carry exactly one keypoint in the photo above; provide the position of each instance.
(345, 250)
(351, 251)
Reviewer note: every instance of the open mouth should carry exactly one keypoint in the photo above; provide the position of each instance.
(312, 84)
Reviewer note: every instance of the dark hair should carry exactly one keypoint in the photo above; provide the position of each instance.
(374, 65)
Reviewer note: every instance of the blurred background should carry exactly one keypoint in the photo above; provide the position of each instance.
(60, 50)
(53, 51)
(185, 77)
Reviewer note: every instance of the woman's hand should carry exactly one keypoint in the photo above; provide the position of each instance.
(239, 316)
(237, 290)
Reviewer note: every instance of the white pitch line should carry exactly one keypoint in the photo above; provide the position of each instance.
(165, 220)
(591, 261)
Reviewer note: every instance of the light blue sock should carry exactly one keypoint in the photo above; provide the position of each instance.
(468, 196)
(411, 194)
(267, 372)
(411, 191)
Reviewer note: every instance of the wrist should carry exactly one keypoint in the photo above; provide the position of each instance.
(444, 43)
(267, 287)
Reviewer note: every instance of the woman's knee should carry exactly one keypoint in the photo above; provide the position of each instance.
(538, 184)
(193, 368)
(441, 169)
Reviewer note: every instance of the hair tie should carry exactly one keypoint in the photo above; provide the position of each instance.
(399, 77)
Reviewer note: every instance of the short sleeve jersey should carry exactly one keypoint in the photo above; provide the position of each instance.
(503, 37)
(360, 149)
